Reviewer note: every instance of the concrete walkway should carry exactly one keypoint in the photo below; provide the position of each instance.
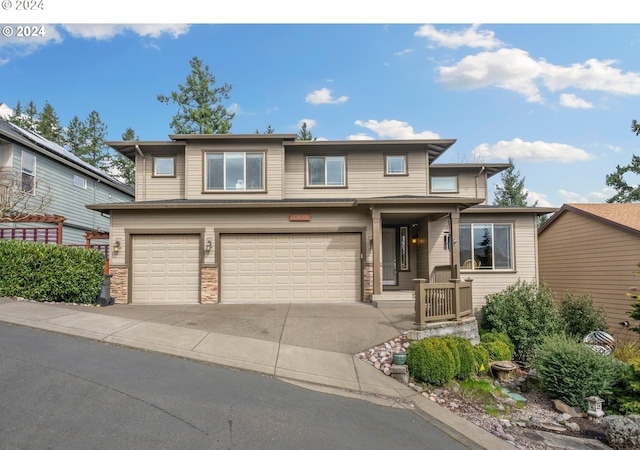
(309, 345)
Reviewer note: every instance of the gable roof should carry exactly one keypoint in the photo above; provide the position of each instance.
(625, 216)
(35, 142)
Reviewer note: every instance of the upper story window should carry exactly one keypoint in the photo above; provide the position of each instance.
(486, 246)
(395, 165)
(79, 181)
(164, 166)
(326, 171)
(444, 184)
(28, 172)
(234, 171)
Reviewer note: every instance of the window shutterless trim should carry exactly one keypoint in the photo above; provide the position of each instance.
(162, 175)
(308, 185)
(223, 189)
(398, 174)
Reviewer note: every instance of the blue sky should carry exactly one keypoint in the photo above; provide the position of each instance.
(558, 99)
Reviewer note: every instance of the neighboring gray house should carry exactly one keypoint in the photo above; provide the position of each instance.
(44, 168)
(266, 218)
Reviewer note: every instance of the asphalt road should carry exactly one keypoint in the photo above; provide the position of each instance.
(61, 392)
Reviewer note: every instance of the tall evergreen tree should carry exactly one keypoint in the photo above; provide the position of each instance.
(200, 109)
(304, 134)
(625, 192)
(87, 140)
(48, 125)
(25, 117)
(122, 168)
(511, 191)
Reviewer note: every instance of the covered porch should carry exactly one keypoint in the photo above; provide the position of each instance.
(416, 259)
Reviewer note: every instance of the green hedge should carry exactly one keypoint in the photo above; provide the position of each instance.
(464, 350)
(431, 361)
(481, 359)
(46, 272)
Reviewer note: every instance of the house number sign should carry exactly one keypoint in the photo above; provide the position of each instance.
(299, 217)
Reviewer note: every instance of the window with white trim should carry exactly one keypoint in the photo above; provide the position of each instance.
(327, 171)
(486, 246)
(234, 171)
(164, 166)
(395, 165)
(79, 181)
(444, 184)
(28, 170)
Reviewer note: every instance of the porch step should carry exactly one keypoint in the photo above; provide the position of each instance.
(394, 299)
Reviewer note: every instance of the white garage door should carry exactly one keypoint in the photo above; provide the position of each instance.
(282, 268)
(166, 269)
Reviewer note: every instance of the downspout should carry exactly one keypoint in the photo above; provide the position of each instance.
(144, 172)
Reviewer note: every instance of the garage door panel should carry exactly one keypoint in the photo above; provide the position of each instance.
(290, 268)
(165, 269)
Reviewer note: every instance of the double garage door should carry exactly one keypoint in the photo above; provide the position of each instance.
(254, 268)
(283, 268)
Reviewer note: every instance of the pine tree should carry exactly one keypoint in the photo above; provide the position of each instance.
(48, 125)
(304, 134)
(625, 193)
(87, 140)
(200, 110)
(122, 168)
(511, 191)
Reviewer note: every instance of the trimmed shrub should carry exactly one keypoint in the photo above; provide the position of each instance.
(431, 361)
(465, 354)
(498, 351)
(453, 348)
(626, 398)
(526, 312)
(570, 371)
(494, 336)
(46, 272)
(580, 315)
(481, 359)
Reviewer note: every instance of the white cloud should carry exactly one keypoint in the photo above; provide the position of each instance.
(323, 95)
(395, 129)
(404, 52)
(310, 123)
(537, 151)
(593, 75)
(359, 137)
(515, 70)
(234, 108)
(601, 196)
(104, 31)
(572, 197)
(17, 47)
(469, 37)
(533, 197)
(511, 69)
(572, 101)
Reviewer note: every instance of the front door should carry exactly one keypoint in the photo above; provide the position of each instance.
(389, 269)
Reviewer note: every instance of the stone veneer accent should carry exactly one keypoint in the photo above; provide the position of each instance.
(466, 328)
(209, 285)
(119, 284)
(367, 283)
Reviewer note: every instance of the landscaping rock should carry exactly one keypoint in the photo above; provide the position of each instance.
(562, 418)
(572, 426)
(623, 432)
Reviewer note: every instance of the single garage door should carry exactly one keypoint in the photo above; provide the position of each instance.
(166, 269)
(298, 268)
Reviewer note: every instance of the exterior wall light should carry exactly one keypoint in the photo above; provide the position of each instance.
(116, 247)
(207, 246)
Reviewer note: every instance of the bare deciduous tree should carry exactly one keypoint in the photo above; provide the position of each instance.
(17, 199)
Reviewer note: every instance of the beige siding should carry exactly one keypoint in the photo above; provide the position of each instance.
(365, 176)
(233, 220)
(471, 182)
(489, 282)
(149, 187)
(273, 173)
(579, 254)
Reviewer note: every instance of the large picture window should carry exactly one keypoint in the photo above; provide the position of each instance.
(28, 172)
(486, 246)
(326, 171)
(234, 171)
(444, 184)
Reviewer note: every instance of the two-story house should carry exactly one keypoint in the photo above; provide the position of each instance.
(266, 218)
(44, 173)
